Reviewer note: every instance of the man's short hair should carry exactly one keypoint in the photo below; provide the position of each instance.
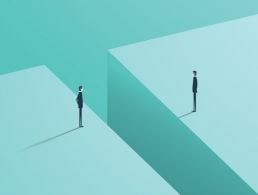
(195, 72)
(80, 88)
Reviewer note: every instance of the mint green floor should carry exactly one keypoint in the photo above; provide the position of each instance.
(36, 106)
(225, 56)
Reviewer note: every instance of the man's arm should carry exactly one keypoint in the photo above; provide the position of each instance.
(77, 98)
(196, 84)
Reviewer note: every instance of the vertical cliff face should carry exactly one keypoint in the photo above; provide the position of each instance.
(150, 99)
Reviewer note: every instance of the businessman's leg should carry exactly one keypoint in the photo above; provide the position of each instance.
(80, 117)
(194, 102)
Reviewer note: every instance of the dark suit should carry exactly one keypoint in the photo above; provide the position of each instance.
(79, 101)
(195, 85)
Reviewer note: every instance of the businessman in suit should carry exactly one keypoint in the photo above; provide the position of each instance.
(195, 85)
(79, 101)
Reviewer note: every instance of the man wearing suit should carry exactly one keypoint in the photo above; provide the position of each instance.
(79, 101)
(195, 85)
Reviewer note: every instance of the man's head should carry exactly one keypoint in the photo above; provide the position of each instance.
(195, 73)
(80, 88)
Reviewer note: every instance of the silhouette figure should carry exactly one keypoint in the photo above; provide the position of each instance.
(195, 85)
(79, 101)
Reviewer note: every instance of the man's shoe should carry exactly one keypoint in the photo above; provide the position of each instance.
(194, 111)
(81, 126)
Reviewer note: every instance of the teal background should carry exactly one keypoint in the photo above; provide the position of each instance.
(72, 37)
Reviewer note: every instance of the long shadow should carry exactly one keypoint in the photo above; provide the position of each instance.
(184, 115)
(49, 139)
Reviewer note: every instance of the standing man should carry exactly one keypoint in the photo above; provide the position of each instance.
(79, 101)
(195, 85)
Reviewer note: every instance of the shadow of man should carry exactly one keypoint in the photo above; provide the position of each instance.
(184, 115)
(50, 139)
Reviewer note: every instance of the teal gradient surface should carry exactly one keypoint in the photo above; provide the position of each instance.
(73, 38)
(225, 55)
(166, 143)
(93, 160)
